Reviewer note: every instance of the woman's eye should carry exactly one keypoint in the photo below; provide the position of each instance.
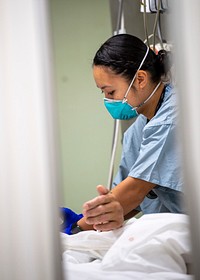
(108, 93)
(111, 92)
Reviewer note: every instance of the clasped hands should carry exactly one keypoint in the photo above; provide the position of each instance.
(104, 212)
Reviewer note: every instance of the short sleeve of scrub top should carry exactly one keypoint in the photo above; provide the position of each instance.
(151, 153)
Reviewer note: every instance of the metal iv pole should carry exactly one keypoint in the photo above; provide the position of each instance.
(119, 30)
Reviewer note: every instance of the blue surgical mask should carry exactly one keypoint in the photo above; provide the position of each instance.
(121, 109)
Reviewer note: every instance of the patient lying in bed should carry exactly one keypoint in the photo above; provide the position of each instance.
(155, 246)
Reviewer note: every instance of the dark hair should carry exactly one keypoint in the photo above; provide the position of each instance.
(123, 54)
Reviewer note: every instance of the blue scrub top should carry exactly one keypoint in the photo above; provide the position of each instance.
(151, 152)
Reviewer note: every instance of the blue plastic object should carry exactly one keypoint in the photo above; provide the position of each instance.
(69, 218)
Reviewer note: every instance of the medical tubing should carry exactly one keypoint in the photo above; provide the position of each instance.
(158, 38)
(160, 33)
(113, 153)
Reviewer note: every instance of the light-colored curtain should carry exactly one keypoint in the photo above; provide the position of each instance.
(29, 233)
(185, 28)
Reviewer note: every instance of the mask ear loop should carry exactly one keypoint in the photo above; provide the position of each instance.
(125, 99)
(149, 95)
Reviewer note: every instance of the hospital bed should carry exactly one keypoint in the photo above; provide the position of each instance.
(154, 246)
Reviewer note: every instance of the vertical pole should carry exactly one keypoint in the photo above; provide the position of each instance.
(185, 29)
(29, 232)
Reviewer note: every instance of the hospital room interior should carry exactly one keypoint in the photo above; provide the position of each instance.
(59, 142)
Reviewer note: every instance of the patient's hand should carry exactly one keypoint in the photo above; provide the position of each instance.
(103, 212)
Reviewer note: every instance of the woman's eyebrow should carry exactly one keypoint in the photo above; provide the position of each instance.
(103, 87)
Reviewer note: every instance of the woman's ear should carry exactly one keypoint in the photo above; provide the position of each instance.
(142, 78)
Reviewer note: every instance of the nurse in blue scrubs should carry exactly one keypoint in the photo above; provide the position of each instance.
(133, 80)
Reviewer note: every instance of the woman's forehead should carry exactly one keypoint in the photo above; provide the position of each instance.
(104, 77)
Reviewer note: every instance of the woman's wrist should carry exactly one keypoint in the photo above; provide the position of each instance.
(75, 228)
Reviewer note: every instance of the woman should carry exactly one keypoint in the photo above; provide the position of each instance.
(132, 76)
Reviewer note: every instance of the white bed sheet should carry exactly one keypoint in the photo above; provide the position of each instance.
(155, 246)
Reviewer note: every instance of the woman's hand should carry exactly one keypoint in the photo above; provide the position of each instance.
(103, 212)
